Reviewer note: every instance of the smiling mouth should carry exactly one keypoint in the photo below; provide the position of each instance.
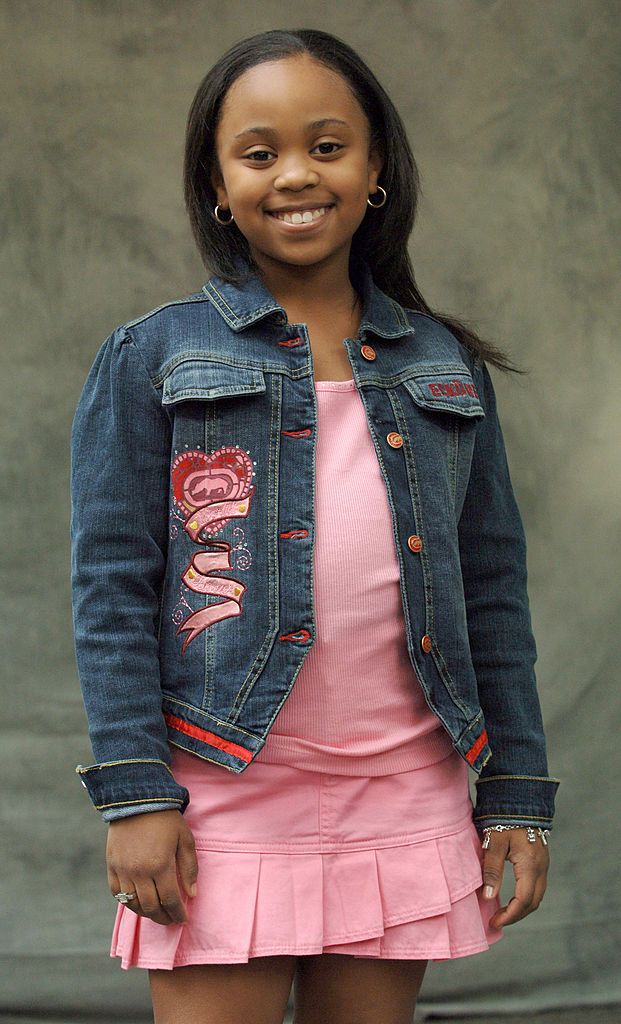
(299, 216)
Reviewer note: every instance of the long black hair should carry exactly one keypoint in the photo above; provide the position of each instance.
(382, 238)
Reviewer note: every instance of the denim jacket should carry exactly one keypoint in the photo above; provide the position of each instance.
(192, 529)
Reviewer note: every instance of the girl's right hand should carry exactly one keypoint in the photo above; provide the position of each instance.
(147, 854)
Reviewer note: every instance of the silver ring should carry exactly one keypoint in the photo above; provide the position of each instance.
(124, 897)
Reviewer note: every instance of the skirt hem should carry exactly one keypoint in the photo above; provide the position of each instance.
(405, 953)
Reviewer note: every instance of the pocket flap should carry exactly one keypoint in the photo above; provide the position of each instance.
(445, 388)
(205, 379)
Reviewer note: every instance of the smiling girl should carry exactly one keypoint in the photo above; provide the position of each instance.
(299, 579)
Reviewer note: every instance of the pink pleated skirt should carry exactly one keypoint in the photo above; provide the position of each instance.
(302, 862)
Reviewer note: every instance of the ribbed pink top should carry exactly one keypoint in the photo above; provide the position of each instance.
(356, 707)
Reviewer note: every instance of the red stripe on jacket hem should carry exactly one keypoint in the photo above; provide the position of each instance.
(476, 748)
(208, 737)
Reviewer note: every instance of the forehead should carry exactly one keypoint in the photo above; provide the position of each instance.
(293, 90)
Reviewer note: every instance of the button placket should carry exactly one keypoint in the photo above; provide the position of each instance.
(414, 541)
(303, 431)
(302, 635)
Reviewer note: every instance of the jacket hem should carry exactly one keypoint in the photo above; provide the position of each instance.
(209, 738)
(473, 745)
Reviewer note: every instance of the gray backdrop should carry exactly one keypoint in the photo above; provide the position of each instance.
(511, 108)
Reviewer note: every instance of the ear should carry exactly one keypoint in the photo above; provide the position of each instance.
(376, 164)
(217, 183)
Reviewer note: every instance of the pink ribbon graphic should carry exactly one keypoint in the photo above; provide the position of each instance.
(216, 488)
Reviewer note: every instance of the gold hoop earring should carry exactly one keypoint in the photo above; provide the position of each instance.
(219, 219)
(376, 206)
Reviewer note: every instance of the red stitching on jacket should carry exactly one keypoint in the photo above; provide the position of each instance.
(208, 737)
(297, 433)
(476, 748)
(294, 533)
(291, 342)
(297, 637)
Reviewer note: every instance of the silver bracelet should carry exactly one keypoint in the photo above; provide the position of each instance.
(531, 832)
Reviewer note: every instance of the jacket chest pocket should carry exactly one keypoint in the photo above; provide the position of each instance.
(206, 380)
(446, 388)
(214, 403)
(447, 410)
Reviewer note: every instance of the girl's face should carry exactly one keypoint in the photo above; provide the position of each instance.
(294, 162)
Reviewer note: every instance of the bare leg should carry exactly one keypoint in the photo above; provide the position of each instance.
(344, 989)
(223, 993)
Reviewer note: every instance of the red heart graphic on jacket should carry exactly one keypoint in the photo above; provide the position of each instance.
(199, 479)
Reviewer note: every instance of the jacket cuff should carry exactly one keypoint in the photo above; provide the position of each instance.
(113, 785)
(515, 800)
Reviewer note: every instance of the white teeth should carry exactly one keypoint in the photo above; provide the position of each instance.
(305, 217)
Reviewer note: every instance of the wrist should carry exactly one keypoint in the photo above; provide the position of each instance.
(532, 832)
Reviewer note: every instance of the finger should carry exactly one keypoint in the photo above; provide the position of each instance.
(187, 863)
(169, 896)
(126, 885)
(116, 886)
(509, 914)
(540, 889)
(522, 902)
(526, 876)
(148, 903)
(531, 885)
(493, 867)
(113, 881)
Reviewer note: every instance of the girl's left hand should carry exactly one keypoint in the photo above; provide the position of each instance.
(530, 868)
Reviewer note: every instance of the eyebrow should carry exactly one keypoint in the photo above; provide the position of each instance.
(312, 126)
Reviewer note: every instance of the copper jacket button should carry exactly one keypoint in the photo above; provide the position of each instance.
(368, 352)
(426, 644)
(394, 440)
(415, 543)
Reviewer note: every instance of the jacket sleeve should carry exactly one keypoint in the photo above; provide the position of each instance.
(514, 786)
(120, 455)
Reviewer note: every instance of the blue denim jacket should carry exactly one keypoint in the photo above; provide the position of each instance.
(192, 527)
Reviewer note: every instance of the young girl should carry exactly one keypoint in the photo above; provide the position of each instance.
(299, 580)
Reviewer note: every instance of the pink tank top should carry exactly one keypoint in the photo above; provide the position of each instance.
(356, 707)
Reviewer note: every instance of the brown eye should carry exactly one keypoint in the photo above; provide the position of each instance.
(324, 152)
(259, 153)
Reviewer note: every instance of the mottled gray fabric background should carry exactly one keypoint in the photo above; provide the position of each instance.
(512, 109)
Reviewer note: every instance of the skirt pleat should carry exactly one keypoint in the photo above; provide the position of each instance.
(297, 862)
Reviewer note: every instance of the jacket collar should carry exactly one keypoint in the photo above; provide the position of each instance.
(241, 305)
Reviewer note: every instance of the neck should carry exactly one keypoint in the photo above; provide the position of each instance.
(300, 289)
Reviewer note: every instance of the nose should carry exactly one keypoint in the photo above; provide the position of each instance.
(296, 174)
